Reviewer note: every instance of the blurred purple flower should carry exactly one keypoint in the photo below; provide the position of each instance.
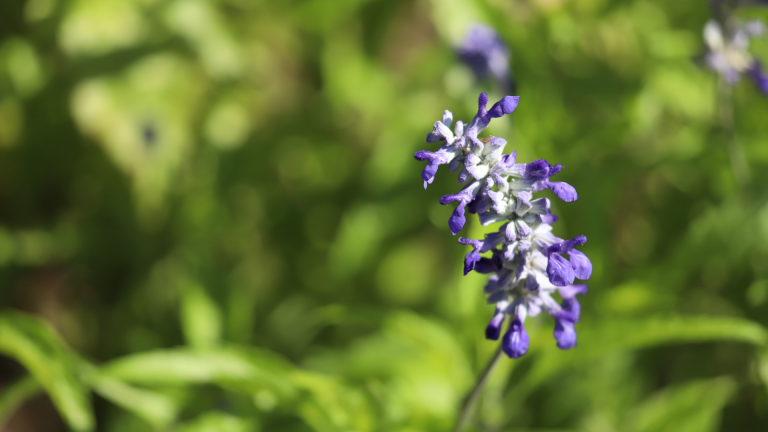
(486, 54)
(728, 52)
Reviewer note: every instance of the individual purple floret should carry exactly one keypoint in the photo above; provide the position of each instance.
(727, 52)
(485, 53)
(527, 263)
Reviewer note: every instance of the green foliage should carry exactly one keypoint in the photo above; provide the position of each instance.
(691, 407)
(212, 220)
(47, 358)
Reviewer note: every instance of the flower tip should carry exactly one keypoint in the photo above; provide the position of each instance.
(509, 103)
(482, 101)
(516, 341)
(493, 331)
(564, 191)
(565, 334)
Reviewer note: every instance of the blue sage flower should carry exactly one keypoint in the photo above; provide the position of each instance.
(486, 54)
(728, 52)
(527, 263)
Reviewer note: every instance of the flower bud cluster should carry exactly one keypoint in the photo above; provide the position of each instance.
(527, 262)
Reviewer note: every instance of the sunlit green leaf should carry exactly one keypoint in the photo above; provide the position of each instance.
(242, 369)
(157, 409)
(35, 345)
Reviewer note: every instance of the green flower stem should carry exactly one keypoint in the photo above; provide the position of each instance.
(474, 395)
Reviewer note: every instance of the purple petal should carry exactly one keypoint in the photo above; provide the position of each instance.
(564, 191)
(536, 169)
(506, 162)
(435, 160)
(457, 220)
(494, 144)
(465, 195)
(473, 256)
(491, 241)
(576, 241)
(523, 230)
(505, 106)
(515, 341)
(531, 283)
(565, 334)
(510, 233)
(455, 164)
(493, 331)
(555, 169)
(464, 176)
(481, 205)
(433, 137)
(429, 172)
(572, 306)
(423, 155)
(571, 291)
(540, 206)
(485, 266)
(582, 267)
(760, 79)
(548, 218)
(471, 260)
(559, 270)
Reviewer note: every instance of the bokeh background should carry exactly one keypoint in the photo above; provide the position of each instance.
(211, 219)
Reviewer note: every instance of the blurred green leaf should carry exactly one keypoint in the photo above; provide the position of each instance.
(218, 422)
(157, 409)
(200, 317)
(16, 394)
(34, 344)
(332, 406)
(242, 369)
(690, 407)
(598, 339)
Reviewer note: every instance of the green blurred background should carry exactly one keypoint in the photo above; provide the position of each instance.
(211, 219)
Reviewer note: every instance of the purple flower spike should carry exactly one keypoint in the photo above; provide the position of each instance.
(528, 263)
(564, 191)
(493, 331)
(515, 342)
(565, 334)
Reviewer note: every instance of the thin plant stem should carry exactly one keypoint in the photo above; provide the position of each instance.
(735, 151)
(474, 395)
